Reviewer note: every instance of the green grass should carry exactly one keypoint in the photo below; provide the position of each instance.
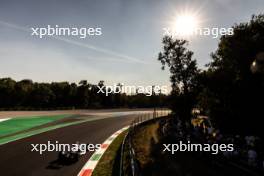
(14, 125)
(109, 163)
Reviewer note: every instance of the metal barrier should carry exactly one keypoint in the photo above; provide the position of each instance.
(139, 120)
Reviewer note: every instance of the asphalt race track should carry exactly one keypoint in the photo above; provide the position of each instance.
(16, 157)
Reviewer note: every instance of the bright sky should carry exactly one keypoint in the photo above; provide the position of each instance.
(128, 47)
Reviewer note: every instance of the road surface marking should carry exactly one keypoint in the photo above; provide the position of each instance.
(1, 120)
(88, 168)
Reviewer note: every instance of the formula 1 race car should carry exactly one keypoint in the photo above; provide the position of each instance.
(68, 157)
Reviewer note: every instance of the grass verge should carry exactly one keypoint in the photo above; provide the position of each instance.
(109, 163)
(144, 139)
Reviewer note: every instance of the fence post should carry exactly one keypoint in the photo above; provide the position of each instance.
(141, 117)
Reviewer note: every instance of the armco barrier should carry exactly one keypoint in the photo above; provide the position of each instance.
(142, 118)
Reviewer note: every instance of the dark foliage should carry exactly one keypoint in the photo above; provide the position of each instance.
(183, 71)
(233, 85)
(231, 90)
(29, 95)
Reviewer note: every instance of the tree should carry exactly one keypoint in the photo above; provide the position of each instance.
(29, 95)
(183, 71)
(234, 90)
(7, 92)
(83, 95)
(181, 65)
(42, 95)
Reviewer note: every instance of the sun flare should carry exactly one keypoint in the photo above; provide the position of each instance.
(185, 24)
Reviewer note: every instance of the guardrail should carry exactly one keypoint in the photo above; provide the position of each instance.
(134, 169)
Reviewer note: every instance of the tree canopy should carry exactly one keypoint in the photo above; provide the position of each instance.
(29, 95)
(233, 92)
(183, 71)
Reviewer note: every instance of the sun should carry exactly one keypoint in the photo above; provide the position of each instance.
(185, 24)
